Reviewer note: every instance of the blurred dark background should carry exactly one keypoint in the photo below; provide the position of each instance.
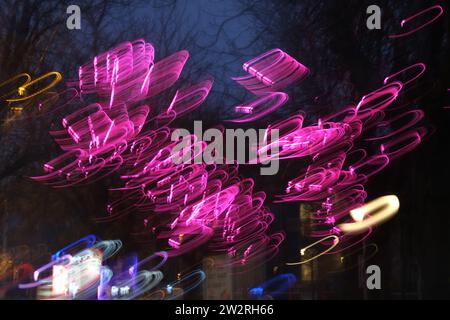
(346, 61)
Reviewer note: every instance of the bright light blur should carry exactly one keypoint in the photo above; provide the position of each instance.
(377, 211)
